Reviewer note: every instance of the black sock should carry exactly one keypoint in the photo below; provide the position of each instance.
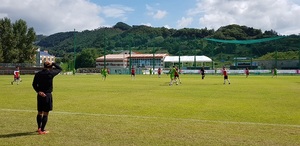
(39, 120)
(44, 122)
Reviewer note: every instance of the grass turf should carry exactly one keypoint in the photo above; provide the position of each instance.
(259, 110)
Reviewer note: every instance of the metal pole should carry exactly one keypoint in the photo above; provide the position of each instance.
(195, 55)
(153, 59)
(251, 61)
(130, 60)
(104, 47)
(195, 62)
(299, 59)
(276, 58)
(179, 59)
(74, 69)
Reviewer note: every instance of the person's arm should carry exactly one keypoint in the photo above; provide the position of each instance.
(57, 68)
(35, 84)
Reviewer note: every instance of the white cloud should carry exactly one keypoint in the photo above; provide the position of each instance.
(116, 11)
(147, 24)
(160, 14)
(156, 14)
(279, 15)
(184, 22)
(167, 26)
(51, 16)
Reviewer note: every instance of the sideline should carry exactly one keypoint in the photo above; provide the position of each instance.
(148, 117)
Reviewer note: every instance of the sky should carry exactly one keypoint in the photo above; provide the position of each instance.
(52, 16)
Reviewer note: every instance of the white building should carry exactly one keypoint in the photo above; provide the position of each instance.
(43, 56)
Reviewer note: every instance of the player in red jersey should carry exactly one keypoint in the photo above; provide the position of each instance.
(177, 79)
(225, 74)
(247, 72)
(132, 73)
(159, 72)
(16, 76)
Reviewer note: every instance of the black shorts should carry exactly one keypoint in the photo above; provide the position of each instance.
(45, 104)
(225, 77)
(176, 76)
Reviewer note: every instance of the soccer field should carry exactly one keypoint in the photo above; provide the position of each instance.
(258, 110)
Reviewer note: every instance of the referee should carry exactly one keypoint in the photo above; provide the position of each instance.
(43, 85)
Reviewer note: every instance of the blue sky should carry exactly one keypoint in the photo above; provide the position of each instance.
(52, 16)
(156, 13)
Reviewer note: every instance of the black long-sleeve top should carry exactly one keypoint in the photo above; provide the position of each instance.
(43, 80)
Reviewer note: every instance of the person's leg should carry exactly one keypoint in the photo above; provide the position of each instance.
(228, 80)
(171, 82)
(39, 120)
(12, 82)
(44, 120)
(47, 106)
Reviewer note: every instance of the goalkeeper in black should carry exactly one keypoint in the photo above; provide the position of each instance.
(43, 85)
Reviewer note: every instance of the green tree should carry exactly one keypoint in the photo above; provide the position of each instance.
(8, 43)
(16, 42)
(86, 58)
(24, 38)
(122, 26)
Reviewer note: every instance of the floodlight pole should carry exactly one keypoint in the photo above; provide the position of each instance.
(299, 60)
(104, 48)
(276, 58)
(195, 53)
(153, 59)
(130, 59)
(74, 69)
(195, 61)
(179, 59)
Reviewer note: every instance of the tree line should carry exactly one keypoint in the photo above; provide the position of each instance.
(19, 43)
(186, 41)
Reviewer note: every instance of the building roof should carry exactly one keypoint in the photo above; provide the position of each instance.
(113, 57)
(45, 53)
(148, 55)
(125, 57)
(187, 59)
(121, 57)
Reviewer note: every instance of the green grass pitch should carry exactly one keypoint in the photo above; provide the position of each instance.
(258, 110)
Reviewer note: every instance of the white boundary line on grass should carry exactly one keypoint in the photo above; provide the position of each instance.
(148, 117)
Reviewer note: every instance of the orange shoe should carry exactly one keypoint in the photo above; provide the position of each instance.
(43, 132)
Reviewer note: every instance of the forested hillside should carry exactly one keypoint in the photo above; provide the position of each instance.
(187, 41)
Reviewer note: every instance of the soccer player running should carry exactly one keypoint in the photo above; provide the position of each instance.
(172, 75)
(247, 72)
(16, 76)
(177, 76)
(202, 71)
(104, 73)
(43, 85)
(159, 72)
(225, 74)
(274, 72)
(132, 73)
